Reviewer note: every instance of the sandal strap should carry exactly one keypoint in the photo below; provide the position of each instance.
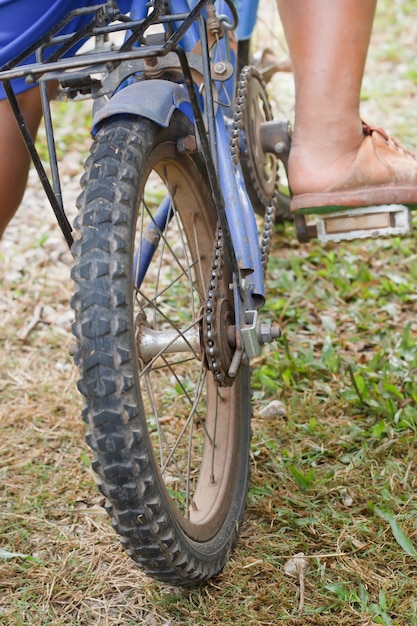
(369, 129)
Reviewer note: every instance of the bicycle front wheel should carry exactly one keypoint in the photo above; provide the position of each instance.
(170, 443)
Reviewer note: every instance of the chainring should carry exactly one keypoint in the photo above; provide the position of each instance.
(260, 168)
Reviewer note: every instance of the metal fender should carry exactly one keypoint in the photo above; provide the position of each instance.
(155, 99)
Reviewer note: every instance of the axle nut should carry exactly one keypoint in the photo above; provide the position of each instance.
(221, 68)
(268, 332)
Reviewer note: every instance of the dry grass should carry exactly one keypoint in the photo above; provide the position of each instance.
(319, 477)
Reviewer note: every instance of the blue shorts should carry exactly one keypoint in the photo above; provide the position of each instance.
(22, 22)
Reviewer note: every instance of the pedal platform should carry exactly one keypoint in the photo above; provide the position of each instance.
(360, 223)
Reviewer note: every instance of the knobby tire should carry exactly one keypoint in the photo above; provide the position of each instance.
(170, 446)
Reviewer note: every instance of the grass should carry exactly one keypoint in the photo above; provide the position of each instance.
(343, 481)
(335, 478)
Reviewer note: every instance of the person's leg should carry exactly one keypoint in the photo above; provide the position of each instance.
(14, 157)
(328, 43)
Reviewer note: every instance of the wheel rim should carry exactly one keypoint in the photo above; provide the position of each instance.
(192, 423)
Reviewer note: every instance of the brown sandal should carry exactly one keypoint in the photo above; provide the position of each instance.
(384, 173)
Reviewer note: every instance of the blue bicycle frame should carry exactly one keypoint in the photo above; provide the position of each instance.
(238, 209)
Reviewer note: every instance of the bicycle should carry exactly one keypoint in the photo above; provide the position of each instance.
(169, 267)
(174, 308)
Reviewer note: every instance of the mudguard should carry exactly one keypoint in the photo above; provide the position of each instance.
(156, 100)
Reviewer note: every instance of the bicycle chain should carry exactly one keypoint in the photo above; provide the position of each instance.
(249, 72)
(217, 310)
(218, 356)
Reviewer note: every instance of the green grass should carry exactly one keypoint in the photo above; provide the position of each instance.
(343, 464)
(334, 478)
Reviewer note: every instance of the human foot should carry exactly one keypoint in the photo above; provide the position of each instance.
(381, 172)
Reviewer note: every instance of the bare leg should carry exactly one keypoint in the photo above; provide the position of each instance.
(328, 43)
(14, 157)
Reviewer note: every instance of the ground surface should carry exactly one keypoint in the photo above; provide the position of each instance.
(335, 478)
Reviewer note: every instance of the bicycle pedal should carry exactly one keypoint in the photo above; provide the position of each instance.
(361, 223)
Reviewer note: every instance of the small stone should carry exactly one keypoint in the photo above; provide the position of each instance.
(274, 409)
